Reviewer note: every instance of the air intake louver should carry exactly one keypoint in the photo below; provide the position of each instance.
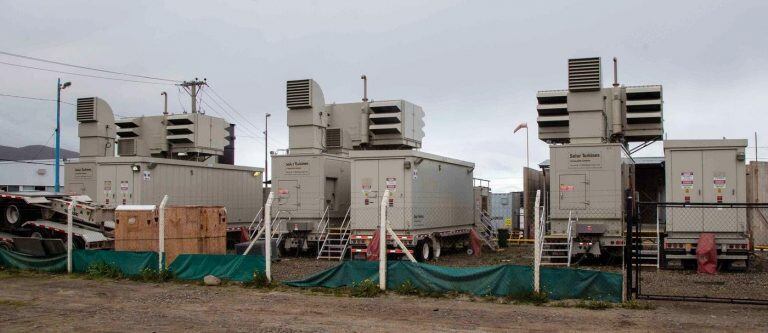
(584, 74)
(126, 147)
(86, 109)
(299, 94)
(333, 138)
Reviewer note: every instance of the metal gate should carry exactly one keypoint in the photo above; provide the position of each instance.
(664, 240)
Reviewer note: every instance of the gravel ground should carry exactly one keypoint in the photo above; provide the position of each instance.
(56, 303)
(752, 284)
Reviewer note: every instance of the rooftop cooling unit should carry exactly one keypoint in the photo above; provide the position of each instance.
(333, 138)
(86, 109)
(299, 94)
(126, 147)
(584, 74)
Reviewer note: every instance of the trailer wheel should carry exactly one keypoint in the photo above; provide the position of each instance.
(12, 214)
(6, 246)
(436, 247)
(423, 250)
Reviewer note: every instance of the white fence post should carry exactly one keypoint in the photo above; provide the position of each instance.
(537, 246)
(383, 242)
(268, 238)
(69, 234)
(161, 234)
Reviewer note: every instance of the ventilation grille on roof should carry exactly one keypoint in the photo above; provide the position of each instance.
(126, 147)
(584, 74)
(86, 109)
(333, 138)
(299, 95)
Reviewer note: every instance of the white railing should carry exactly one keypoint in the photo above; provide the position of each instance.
(258, 219)
(322, 226)
(569, 236)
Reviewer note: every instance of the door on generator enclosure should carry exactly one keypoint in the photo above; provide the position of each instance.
(573, 192)
(686, 177)
(719, 186)
(287, 195)
(391, 174)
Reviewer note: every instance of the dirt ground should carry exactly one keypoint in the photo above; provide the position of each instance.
(47, 303)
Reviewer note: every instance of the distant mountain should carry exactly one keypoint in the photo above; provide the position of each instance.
(34, 152)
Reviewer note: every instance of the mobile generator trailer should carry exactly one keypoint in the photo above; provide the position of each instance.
(705, 182)
(431, 204)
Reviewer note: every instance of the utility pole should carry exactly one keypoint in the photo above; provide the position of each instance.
(266, 147)
(57, 151)
(193, 88)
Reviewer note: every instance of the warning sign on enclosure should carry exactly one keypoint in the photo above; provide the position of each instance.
(686, 180)
(391, 184)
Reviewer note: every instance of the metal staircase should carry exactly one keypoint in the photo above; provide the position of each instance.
(335, 239)
(277, 223)
(488, 233)
(647, 253)
(557, 250)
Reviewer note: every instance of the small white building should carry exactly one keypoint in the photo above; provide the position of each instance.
(29, 175)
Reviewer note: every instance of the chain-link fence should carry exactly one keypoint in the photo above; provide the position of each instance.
(673, 243)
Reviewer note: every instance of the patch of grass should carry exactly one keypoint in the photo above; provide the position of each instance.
(535, 298)
(366, 288)
(103, 270)
(259, 281)
(153, 275)
(593, 305)
(637, 305)
(13, 303)
(407, 288)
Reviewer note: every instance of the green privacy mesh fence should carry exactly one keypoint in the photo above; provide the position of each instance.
(130, 263)
(224, 266)
(17, 260)
(500, 280)
(184, 267)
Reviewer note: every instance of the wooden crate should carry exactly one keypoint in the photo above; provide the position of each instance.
(188, 229)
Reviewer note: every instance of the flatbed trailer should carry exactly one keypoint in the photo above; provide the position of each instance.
(44, 215)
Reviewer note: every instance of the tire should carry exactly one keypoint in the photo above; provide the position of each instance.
(37, 235)
(423, 250)
(12, 215)
(436, 247)
(6, 246)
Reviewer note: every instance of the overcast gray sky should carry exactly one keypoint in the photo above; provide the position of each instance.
(474, 66)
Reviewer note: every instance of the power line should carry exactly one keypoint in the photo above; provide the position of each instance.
(241, 115)
(88, 68)
(34, 98)
(44, 146)
(25, 161)
(85, 75)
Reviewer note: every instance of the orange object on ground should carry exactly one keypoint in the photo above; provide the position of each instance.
(706, 254)
(372, 253)
(475, 243)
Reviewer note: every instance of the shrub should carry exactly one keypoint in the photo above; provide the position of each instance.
(533, 297)
(366, 288)
(259, 281)
(103, 270)
(637, 305)
(594, 305)
(407, 288)
(153, 275)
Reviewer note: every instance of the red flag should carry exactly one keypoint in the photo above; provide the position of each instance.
(519, 127)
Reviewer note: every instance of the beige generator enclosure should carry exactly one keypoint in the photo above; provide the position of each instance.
(309, 189)
(431, 202)
(113, 181)
(705, 177)
(588, 186)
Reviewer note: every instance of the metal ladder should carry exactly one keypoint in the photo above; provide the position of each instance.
(336, 240)
(557, 250)
(487, 232)
(278, 222)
